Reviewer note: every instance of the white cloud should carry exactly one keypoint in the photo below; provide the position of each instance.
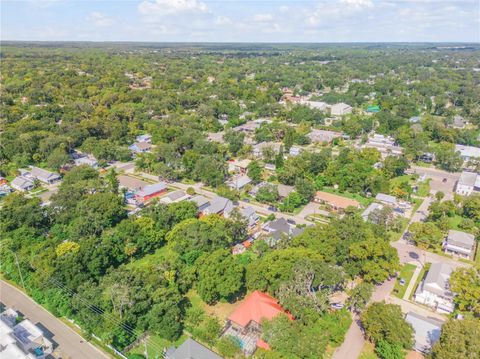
(284, 9)
(100, 20)
(161, 7)
(263, 18)
(358, 4)
(223, 20)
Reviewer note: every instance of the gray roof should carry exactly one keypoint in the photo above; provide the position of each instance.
(153, 188)
(467, 179)
(280, 225)
(173, 196)
(437, 280)
(323, 135)
(190, 349)
(427, 330)
(382, 197)
(239, 182)
(460, 239)
(200, 200)
(219, 204)
(284, 190)
(44, 175)
(22, 182)
(371, 208)
(468, 151)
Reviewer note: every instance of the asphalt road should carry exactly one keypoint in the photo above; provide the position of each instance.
(437, 177)
(69, 344)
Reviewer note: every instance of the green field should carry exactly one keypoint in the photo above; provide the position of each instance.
(363, 201)
(406, 273)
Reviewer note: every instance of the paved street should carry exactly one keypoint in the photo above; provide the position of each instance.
(70, 344)
(436, 179)
(354, 340)
(417, 309)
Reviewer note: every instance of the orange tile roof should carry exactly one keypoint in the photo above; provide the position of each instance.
(256, 306)
(335, 200)
(247, 244)
(262, 344)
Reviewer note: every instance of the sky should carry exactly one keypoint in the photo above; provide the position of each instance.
(241, 20)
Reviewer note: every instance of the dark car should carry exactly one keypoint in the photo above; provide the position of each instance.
(273, 209)
(291, 221)
(444, 180)
(246, 200)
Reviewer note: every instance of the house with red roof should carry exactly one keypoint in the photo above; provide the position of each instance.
(245, 322)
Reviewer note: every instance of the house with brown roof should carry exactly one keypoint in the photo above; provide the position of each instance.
(336, 202)
(245, 323)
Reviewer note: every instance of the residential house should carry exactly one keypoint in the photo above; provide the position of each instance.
(460, 244)
(259, 148)
(201, 202)
(336, 202)
(44, 176)
(132, 184)
(253, 192)
(434, 290)
(23, 184)
(5, 190)
(3, 180)
(284, 190)
(427, 331)
(238, 166)
(219, 205)
(340, 109)
(245, 322)
(238, 182)
(174, 197)
(276, 230)
(369, 213)
(151, 191)
(295, 150)
(190, 349)
(468, 153)
(140, 147)
(248, 127)
(144, 138)
(384, 144)
(467, 183)
(250, 215)
(315, 105)
(427, 157)
(387, 199)
(86, 160)
(458, 122)
(216, 137)
(22, 339)
(270, 167)
(323, 136)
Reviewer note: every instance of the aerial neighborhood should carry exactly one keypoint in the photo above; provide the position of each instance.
(200, 201)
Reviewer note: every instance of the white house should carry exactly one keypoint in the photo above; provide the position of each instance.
(427, 331)
(174, 197)
(238, 182)
(466, 183)
(460, 244)
(21, 183)
(434, 291)
(340, 109)
(468, 153)
(43, 175)
(22, 339)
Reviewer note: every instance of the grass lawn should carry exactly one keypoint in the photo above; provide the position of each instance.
(406, 273)
(364, 201)
(454, 222)
(221, 309)
(477, 254)
(424, 189)
(153, 259)
(420, 277)
(368, 351)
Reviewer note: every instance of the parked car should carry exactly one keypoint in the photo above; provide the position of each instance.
(336, 305)
(272, 208)
(291, 221)
(246, 200)
(444, 180)
(402, 282)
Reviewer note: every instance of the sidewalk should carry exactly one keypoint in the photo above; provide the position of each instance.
(412, 282)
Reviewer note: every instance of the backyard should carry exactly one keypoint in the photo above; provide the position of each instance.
(406, 274)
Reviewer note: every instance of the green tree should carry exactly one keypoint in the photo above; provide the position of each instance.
(360, 296)
(305, 188)
(267, 194)
(465, 283)
(425, 235)
(254, 171)
(229, 347)
(459, 339)
(234, 139)
(385, 350)
(447, 158)
(385, 322)
(219, 276)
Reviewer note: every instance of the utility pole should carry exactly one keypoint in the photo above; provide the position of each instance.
(19, 270)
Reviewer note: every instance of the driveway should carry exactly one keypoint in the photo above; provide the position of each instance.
(436, 179)
(354, 340)
(69, 343)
